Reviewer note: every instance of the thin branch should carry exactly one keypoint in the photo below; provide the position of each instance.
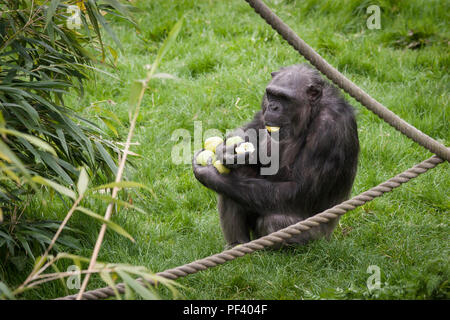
(35, 273)
(115, 189)
(59, 275)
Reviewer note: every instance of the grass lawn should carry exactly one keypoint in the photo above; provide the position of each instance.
(223, 57)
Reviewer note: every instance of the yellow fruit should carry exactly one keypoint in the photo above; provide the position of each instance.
(204, 156)
(234, 140)
(212, 143)
(272, 129)
(221, 168)
(245, 147)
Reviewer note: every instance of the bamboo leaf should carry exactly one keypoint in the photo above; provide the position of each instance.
(6, 291)
(6, 236)
(2, 120)
(9, 156)
(51, 11)
(168, 42)
(105, 24)
(110, 125)
(9, 173)
(25, 245)
(113, 53)
(36, 141)
(135, 93)
(83, 181)
(118, 6)
(121, 184)
(107, 198)
(137, 287)
(75, 258)
(57, 187)
(50, 161)
(63, 283)
(129, 295)
(106, 113)
(109, 223)
(110, 282)
(39, 262)
(106, 156)
(62, 139)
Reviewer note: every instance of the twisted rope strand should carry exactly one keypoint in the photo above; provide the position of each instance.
(278, 236)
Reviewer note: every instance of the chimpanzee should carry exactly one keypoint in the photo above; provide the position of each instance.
(317, 145)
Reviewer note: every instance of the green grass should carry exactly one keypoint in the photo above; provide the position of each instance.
(222, 58)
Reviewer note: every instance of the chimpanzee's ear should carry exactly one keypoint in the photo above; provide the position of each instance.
(273, 74)
(314, 92)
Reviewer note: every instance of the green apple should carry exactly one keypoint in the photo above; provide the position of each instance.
(212, 143)
(204, 156)
(245, 147)
(221, 168)
(234, 140)
(272, 129)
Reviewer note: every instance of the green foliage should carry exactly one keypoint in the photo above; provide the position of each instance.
(21, 240)
(43, 60)
(108, 272)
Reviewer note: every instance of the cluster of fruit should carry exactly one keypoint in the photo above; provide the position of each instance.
(209, 154)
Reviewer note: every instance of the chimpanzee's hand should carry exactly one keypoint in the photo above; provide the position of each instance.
(207, 175)
(228, 157)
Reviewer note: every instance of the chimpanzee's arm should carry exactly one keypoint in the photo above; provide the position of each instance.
(259, 194)
(324, 168)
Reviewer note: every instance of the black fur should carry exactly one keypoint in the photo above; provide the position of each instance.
(318, 154)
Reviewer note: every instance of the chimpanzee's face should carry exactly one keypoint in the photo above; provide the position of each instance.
(288, 99)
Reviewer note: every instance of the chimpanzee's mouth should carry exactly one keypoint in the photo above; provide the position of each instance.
(272, 129)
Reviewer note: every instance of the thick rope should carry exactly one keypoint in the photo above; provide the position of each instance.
(345, 84)
(278, 236)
